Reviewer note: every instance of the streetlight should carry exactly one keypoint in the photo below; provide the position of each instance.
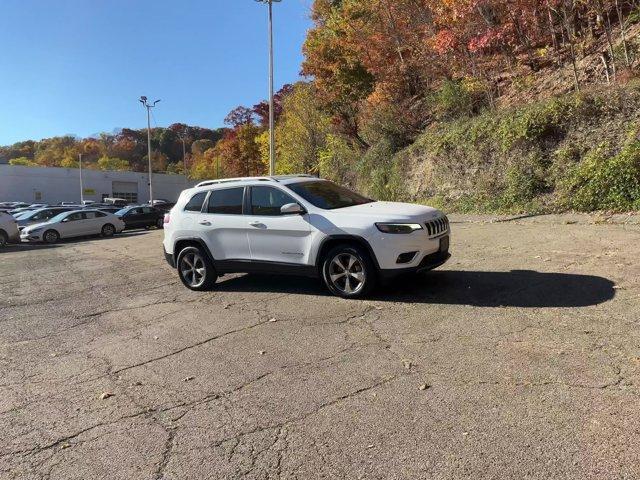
(184, 157)
(148, 106)
(81, 187)
(272, 142)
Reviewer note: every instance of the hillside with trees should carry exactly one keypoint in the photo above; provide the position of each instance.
(501, 105)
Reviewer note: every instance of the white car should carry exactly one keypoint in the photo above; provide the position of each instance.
(8, 229)
(76, 223)
(300, 225)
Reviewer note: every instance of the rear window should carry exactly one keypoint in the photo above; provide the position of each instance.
(226, 202)
(195, 204)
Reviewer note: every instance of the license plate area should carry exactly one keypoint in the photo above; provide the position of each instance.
(444, 244)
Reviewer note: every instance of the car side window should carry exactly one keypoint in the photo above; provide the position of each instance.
(147, 210)
(195, 204)
(74, 217)
(268, 200)
(89, 215)
(100, 214)
(227, 201)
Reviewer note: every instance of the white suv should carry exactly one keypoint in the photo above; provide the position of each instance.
(301, 225)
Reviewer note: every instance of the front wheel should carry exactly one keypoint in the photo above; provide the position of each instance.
(348, 272)
(195, 269)
(160, 223)
(51, 236)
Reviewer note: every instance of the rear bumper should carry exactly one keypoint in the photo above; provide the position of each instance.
(429, 262)
(169, 258)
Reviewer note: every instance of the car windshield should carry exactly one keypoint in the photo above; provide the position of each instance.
(328, 195)
(23, 215)
(122, 211)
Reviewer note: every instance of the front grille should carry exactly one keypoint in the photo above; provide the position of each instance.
(437, 227)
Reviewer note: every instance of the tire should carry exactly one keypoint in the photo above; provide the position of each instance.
(108, 230)
(195, 269)
(160, 223)
(50, 236)
(4, 238)
(348, 271)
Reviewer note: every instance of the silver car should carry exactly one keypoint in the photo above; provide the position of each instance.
(76, 223)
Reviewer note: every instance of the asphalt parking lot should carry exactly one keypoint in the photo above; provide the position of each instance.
(518, 359)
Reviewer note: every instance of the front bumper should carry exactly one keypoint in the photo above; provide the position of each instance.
(429, 262)
(31, 237)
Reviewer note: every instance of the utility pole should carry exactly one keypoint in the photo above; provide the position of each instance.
(184, 159)
(148, 106)
(81, 186)
(272, 137)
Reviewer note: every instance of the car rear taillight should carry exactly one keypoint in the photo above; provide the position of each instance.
(167, 218)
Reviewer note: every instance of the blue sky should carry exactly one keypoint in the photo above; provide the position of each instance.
(79, 66)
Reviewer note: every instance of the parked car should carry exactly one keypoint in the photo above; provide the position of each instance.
(76, 223)
(118, 202)
(141, 217)
(8, 229)
(13, 205)
(21, 210)
(163, 206)
(108, 209)
(302, 225)
(39, 216)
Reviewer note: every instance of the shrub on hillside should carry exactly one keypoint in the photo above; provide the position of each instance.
(601, 181)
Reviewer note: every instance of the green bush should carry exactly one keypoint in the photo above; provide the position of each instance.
(459, 98)
(601, 181)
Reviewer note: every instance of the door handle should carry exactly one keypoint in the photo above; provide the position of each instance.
(257, 224)
(205, 222)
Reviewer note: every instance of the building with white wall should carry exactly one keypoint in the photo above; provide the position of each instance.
(54, 185)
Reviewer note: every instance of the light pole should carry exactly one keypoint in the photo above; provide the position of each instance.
(184, 158)
(148, 106)
(272, 137)
(81, 187)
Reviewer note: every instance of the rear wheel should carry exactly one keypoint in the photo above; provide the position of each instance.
(195, 269)
(4, 238)
(51, 236)
(160, 223)
(348, 271)
(108, 230)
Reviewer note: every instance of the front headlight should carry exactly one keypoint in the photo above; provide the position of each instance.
(398, 227)
(35, 230)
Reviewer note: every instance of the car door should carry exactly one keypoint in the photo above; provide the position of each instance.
(91, 223)
(133, 218)
(223, 226)
(273, 236)
(149, 216)
(71, 225)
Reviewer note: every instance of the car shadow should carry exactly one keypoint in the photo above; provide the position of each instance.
(26, 246)
(516, 288)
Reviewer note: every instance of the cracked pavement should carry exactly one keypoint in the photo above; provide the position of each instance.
(518, 359)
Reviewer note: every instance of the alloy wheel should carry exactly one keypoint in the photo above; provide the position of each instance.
(51, 237)
(193, 269)
(347, 273)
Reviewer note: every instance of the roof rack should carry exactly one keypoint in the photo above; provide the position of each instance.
(274, 178)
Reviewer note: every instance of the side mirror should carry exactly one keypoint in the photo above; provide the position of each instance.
(291, 209)
(65, 220)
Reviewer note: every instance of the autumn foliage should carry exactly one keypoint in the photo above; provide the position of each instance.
(378, 73)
